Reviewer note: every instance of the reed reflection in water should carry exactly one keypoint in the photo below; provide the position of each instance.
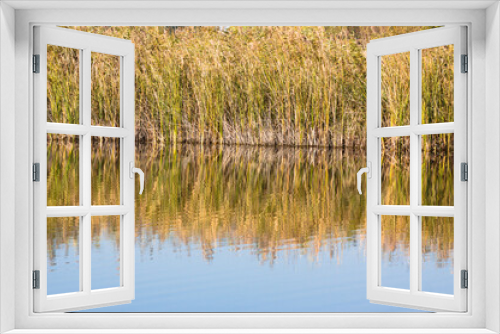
(254, 229)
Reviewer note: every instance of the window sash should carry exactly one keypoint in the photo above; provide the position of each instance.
(86, 297)
(413, 43)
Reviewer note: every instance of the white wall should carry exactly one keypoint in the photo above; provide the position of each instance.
(492, 166)
(7, 160)
(491, 100)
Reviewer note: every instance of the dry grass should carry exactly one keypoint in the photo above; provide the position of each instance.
(299, 86)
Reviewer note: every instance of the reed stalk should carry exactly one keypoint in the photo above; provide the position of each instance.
(277, 86)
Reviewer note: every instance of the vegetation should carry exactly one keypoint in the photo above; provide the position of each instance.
(259, 86)
(252, 85)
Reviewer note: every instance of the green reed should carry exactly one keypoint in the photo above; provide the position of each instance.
(299, 86)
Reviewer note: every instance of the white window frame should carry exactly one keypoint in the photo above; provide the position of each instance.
(484, 103)
(124, 50)
(414, 43)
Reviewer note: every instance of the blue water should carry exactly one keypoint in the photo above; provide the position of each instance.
(173, 280)
(180, 270)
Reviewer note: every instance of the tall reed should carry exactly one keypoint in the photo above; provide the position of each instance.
(258, 85)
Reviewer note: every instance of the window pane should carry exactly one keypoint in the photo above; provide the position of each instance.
(63, 255)
(105, 256)
(395, 255)
(395, 89)
(105, 89)
(395, 175)
(63, 85)
(437, 254)
(63, 170)
(437, 169)
(105, 171)
(437, 84)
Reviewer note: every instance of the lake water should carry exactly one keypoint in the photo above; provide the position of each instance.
(245, 229)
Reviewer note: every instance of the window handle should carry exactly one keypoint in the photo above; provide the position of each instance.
(368, 171)
(134, 170)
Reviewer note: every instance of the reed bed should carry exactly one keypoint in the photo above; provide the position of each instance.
(278, 86)
(281, 87)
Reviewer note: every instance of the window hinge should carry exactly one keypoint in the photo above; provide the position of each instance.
(464, 171)
(36, 279)
(465, 64)
(36, 172)
(36, 63)
(465, 279)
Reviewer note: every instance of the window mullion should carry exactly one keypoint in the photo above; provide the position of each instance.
(394, 131)
(67, 129)
(85, 168)
(106, 131)
(414, 171)
(420, 129)
(432, 129)
(95, 210)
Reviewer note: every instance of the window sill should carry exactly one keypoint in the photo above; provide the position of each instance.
(248, 331)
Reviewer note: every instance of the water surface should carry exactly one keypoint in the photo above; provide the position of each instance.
(249, 229)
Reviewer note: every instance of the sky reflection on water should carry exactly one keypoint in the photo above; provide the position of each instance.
(250, 230)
